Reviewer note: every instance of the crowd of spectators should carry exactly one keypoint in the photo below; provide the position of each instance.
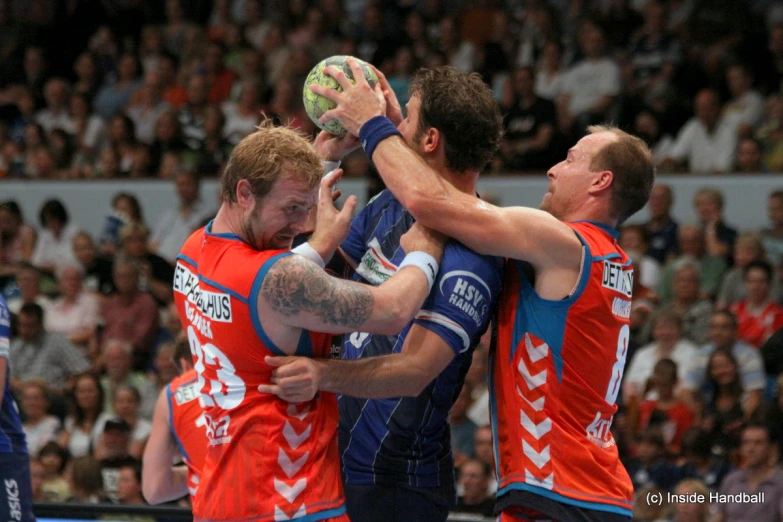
(131, 89)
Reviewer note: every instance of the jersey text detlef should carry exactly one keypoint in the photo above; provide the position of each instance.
(555, 373)
(267, 460)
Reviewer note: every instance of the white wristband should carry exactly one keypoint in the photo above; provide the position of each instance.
(310, 253)
(423, 261)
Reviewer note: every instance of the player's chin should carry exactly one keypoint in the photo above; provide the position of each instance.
(282, 242)
(545, 203)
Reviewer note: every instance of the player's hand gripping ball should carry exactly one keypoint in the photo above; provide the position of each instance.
(316, 105)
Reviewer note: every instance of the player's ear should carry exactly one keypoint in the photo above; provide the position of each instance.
(245, 196)
(602, 182)
(431, 140)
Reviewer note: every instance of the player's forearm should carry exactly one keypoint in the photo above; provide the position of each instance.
(373, 378)
(397, 301)
(164, 483)
(414, 183)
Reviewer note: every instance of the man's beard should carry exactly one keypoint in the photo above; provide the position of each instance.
(6, 236)
(247, 229)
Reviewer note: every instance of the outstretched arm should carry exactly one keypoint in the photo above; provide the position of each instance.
(515, 232)
(519, 233)
(302, 295)
(160, 481)
(424, 355)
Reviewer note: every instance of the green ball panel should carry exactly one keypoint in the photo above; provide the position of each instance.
(316, 105)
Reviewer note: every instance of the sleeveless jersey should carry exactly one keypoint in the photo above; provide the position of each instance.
(12, 439)
(188, 425)
(406, 440)
(267, 460)
(555, 372)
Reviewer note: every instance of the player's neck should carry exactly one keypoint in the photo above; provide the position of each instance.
(227, 221)
(462, 181)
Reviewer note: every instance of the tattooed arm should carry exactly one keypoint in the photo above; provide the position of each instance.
(305, 296)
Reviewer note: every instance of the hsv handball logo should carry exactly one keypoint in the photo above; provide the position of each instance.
(468, 292)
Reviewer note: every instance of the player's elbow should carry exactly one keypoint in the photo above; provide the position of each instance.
(396, 320)
(152, 491)
(419, 205)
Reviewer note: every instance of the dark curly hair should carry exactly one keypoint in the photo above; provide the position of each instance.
(463, 108)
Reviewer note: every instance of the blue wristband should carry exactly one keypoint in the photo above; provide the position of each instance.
(374, 131)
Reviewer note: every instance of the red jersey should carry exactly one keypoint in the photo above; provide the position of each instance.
(267, 460)
(679, 420)
(756, 329)
(555, 374)
(188, 425)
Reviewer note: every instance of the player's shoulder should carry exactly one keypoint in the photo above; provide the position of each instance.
(458, 254)
(382, 199)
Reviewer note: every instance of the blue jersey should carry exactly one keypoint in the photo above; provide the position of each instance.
(12, 438)
(406, 441)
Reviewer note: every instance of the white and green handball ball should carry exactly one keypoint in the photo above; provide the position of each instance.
(316, 105)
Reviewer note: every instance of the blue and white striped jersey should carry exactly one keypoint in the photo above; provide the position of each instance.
(12, 439)
(406, 440)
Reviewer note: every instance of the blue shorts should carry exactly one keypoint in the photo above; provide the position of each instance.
(385, 503)
(16, 491)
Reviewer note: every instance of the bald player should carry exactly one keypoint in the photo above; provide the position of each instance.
(563, 322)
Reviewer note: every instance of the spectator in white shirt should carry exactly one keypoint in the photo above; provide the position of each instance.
(88, 129)
(147, 106)
(55, 115)
(28, 279)
(54, 246)
(723, 336)
(75, 313)
(707, 141)
(550, 75)
(668, 344)
(39, 427)
(460, 54)
(84, 425)
(126, 405)
(243, 116)
(176, 225)
(590, 86)
(745, 109)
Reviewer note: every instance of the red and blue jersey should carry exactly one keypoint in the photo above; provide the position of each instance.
(556, 369)
(267, 460)
(188, 424)
(12, 439)
(406, 440)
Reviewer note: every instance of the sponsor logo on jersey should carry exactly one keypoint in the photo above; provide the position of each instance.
(14, 502)
(187, 393)
(214, 305)
(599, 431)
(621, 307)
(375, 267)
(617, 279)
(468, 292)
